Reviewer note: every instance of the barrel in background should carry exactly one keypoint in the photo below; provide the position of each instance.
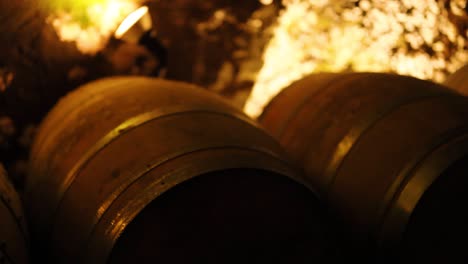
(141, 170)
(13, 234)
(382, 149)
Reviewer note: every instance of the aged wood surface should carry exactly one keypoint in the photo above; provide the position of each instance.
(36, 68)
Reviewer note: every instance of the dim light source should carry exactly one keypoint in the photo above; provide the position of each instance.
(137, 28)
(134, 25)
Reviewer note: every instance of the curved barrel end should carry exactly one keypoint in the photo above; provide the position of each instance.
(230, 216)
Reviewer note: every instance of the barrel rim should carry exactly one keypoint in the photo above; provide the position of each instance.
(416, 181)
(128, 212)
(126, 126)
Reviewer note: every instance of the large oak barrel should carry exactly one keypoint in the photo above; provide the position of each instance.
(458, 80)
(139, 170)
(389, 155)
(13, 235)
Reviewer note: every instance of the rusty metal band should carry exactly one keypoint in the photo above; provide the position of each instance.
(414, 180)
(347, 143)
(131, 210)
(123, 128)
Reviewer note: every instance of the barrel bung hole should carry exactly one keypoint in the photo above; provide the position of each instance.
(229, 216)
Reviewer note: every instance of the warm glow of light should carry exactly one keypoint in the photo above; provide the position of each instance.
(266, 2)
(408, 37)
(103, 17)
(130, 20)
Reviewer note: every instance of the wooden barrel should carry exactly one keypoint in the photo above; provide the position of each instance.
(458, 81)
(13, 235)
(381, 149)
(139, 170)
